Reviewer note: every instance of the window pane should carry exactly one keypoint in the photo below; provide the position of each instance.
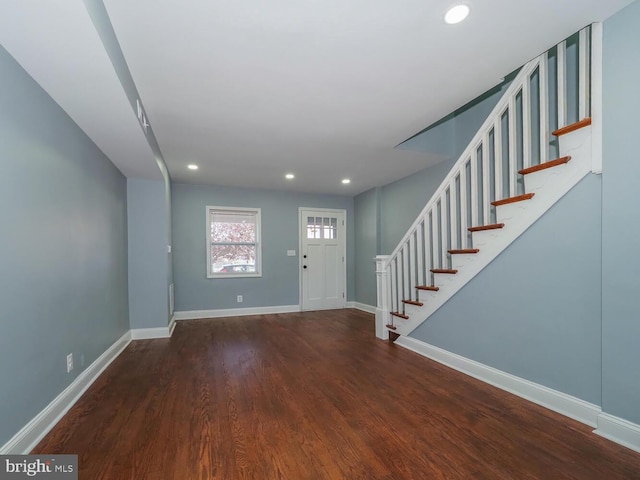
(329, 228)
(233, 258)
(310, 225)
(314, 225)
(233, 227)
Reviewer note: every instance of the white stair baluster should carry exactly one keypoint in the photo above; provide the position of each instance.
(453, 219)
(394, 286)
(513, 160)
(561, 72)
(475, 200)
(543, 76)
(420, 252)
(463, 207)
(428, 247)
(497, 148)
(435, 231)
(412, 267)
(405, 274)
(444, 245)
(526, 123)
(486, 180)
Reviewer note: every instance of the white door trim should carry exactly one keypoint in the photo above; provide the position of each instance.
(344, 264)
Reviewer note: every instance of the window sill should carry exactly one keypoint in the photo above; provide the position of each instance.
(234, 275)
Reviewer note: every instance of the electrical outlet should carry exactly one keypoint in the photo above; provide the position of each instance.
(239, 299)
(69, 362)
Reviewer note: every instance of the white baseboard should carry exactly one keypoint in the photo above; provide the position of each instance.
(150, 333)
(562, 403)
(235, 312)
(619, 430)
(362, 306)
(28, 437)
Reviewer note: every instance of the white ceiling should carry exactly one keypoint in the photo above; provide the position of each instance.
(250, 90)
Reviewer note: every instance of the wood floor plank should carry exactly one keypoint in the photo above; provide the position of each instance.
(313, 396)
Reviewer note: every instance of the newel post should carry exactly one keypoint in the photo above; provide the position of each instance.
(382, 307)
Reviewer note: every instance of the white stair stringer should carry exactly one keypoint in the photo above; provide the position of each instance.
(548, 185)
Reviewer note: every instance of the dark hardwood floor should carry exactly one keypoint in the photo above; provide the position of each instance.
(313, 396)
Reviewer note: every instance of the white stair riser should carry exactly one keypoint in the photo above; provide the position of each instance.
(426, 295)
(442, 279)
(459, 261)
(483, 237)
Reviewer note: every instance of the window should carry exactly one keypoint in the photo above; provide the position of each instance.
(322, 228)
(233, 242)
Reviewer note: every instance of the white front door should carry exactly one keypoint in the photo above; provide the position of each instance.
(322, 259)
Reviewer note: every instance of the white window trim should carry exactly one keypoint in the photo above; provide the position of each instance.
(258, 265)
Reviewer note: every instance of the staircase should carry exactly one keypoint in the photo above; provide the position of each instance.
(532, 149)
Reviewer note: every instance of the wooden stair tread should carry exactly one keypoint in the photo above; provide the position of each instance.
(413, 302)
(519, 198)
(463, 251)
(430, 288)
(391, 327)
(545, 165)
(400, 315)
(443, 270)
(573, 127)
(481, 228)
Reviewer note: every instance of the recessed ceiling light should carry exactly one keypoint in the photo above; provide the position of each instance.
(192, 166)
(289, 176)
(346, 180)
(456, 14)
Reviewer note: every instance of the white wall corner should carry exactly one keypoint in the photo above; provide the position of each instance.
(619, 430)
(362, 306)
(559, 402)
(33, 432)
(151, 333)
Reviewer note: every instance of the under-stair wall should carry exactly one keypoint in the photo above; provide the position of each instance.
(534, 312)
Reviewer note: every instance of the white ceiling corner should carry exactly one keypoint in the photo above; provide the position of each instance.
(56, 43)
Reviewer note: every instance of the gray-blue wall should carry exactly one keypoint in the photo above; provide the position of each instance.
(279, 284)
(148, 273)
(535, 310)
(621, 228)
(63, 249)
